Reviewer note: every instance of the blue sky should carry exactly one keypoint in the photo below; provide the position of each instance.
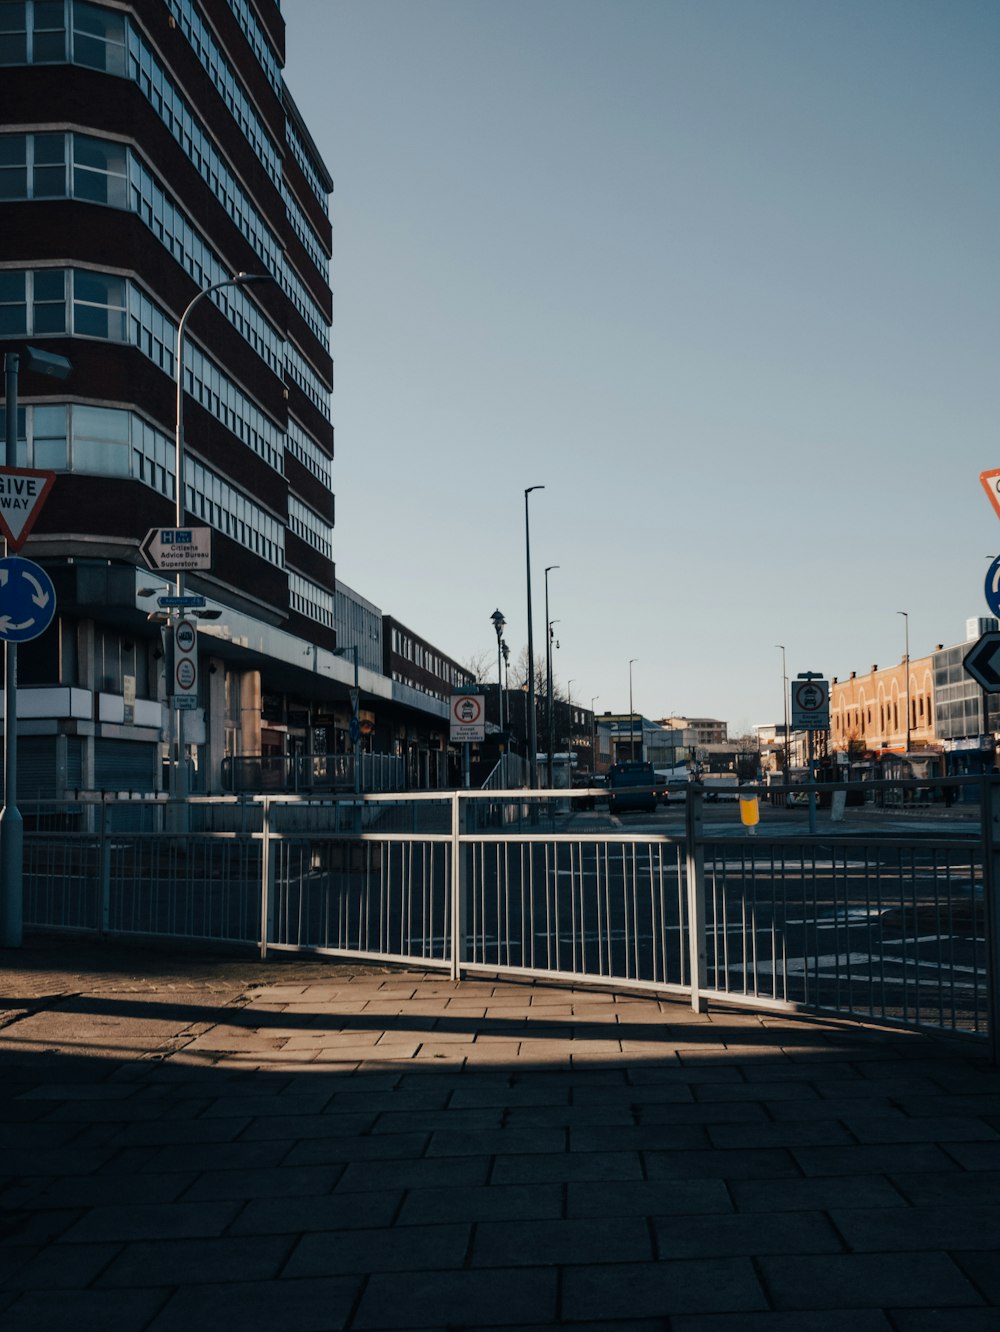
(722, 275)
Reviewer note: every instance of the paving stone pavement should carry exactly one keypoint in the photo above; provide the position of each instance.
(193, 1142)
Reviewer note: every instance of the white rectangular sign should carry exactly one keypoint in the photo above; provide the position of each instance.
(468, 717)
(811, 705)
(176, 549)
(185, 690)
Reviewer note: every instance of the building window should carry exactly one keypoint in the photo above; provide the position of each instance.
(13, 303)
(98, 305)
(98, 37)
(99, 170)
(14, 166)
(35, 33)
(36, 302)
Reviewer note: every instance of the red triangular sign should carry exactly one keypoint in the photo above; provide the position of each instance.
(22, 494)
(991, 481)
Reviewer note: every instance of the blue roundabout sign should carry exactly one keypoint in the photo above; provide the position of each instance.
(27, 600)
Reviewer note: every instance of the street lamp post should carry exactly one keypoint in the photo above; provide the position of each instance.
(548, 676)
(631, 713)
(355, 729)
(240, 279)
(569, 724)
(532, 722)
(11, 823)
(906, 625)
(505, 651)
(499, 624)
(784, 696)
(593, 722)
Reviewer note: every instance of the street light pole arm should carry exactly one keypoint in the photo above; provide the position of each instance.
(181, 784)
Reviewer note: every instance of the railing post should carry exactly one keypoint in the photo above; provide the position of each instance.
(457, 889)
(265, 878)
(695, 896)
(991, 887)
(104, 851)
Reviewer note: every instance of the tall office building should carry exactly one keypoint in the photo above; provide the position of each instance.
(150, 151)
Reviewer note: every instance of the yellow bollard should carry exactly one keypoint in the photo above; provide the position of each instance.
(750, 813)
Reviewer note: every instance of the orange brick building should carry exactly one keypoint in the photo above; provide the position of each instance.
(868, 713)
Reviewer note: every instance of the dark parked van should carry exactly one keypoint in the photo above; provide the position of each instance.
(631, 785)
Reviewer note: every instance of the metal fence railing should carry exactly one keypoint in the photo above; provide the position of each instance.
(878, 911)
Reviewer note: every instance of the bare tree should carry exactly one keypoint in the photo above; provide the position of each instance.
(519, 674)
(483, 665)
(747, 756)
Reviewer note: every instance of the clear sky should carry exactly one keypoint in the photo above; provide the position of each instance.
(722, 275)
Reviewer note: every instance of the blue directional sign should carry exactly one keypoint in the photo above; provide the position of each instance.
(992, 588)
(27, 600)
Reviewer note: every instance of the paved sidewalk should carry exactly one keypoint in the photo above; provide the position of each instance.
(201, 1143)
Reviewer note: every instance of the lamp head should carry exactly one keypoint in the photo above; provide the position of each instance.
(47, 363)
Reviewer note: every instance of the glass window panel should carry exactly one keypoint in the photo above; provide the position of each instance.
(98, 38)
(49, 13)
(12, 284)
(49, 182)
(103, 423)
(12, 16)
(50, 422)
(50, 454)
(13, 34)
(13, 149)
(50, 149)
(49, 48)
(50, 284)
(49, 318)
(90, 185)
(96, 287)
(96, 21)
(13, 319)
(13, 182)
(91, 455)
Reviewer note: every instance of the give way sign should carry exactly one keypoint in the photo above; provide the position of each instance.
(23, 491)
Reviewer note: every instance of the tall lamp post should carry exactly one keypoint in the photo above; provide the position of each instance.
(240, 280)
(593, 722)
(11, 823)
(784, 696)
(532, 721)
(505, 651)
(548, 675)
(906, 625)
(631, 713)
(569, 724)
(499, 624)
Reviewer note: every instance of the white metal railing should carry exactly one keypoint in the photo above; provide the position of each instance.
(893, 923)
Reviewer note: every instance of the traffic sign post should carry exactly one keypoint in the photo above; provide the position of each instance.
(811, 713)
(468, 723)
